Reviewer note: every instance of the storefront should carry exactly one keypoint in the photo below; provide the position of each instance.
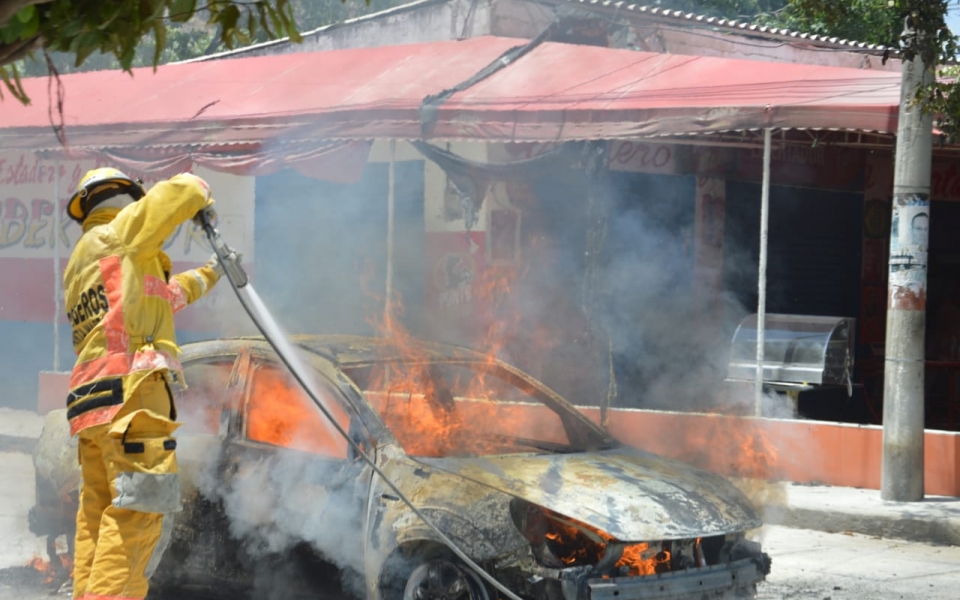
(661, 226)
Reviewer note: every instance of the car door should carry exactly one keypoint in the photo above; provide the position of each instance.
(199, 554)
(290, 479)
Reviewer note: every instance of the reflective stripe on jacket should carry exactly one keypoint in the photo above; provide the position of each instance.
(120, 297)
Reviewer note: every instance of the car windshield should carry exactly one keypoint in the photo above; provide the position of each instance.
(445, 409)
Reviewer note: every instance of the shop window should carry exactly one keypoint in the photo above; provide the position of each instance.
(280, 413)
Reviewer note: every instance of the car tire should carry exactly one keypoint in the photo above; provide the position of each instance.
(444, 579)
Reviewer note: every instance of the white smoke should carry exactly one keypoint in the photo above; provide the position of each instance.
(313, 249)
(285, 499)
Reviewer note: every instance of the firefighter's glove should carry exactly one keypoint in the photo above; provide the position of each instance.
(233, 257)
(206, 213)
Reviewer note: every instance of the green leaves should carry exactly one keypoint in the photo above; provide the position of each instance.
(11, 80)
(118, 28)
(160, 40)
(182, 10)
(872, 21)
(109, 34)
(22, 26)
(26, 14)
(274, 17)
(226, 17)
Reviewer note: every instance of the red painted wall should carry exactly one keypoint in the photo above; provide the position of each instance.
(786, 450)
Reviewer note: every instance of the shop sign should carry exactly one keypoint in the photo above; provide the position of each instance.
(643, 157)
(29, 232)
(804, 166)
(945, 181)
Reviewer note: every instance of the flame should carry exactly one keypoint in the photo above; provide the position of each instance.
(282, 414)
(493, 289)
(571, 544)
(451, 409)
(731, 446)
(757, 453)
(46, 569)
(408, 397)
(633, 558)
(423, 427)
(448, 409)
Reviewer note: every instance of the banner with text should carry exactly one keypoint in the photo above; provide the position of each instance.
(31, 189)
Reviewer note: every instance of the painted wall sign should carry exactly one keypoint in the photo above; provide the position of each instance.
(29, 187)
(945, 181)
(644, 157)
(820, 167)
(633, 156)
(455, 264)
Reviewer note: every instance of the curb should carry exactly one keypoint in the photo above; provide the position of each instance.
(13, 443)
(896, 525)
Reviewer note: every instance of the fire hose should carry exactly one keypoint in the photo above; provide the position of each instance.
(274, 335)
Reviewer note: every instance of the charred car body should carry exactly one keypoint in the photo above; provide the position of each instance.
(527, 486)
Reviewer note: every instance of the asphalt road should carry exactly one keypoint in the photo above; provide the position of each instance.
(814, 565)
(807, 565)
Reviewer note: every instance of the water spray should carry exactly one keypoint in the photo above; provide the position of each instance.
(274, 335)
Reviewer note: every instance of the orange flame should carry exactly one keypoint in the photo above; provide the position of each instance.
(437, 414)
(572, 546)
(731, 446)
(757, 454)
(46, 569)
(633, 558)
(280, 413)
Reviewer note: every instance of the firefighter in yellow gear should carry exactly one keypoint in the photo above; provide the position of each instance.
(120, 299)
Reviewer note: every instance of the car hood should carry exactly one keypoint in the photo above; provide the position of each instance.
(632, 495)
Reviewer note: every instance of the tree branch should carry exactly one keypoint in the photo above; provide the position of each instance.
(17, 50)
(8, 8)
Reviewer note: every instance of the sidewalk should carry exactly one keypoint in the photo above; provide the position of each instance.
(19, 430)
(934, 520)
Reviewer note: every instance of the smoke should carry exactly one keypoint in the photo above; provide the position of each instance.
(275, 501)
(607, 284)
(322, 247)
(320, 267)
(579, 306)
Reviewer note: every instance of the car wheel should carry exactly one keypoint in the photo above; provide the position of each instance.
(444, 579)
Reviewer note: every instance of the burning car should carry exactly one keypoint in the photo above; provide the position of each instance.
(533, 491)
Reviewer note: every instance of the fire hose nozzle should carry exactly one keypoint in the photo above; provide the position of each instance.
(228, 258)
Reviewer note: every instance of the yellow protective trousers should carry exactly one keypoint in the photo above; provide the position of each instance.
(130, 489)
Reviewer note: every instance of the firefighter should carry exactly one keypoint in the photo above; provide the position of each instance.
(120, 299)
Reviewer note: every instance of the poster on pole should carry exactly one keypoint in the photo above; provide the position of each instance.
(909, 241)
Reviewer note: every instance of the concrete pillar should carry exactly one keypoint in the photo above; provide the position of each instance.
(903, 391)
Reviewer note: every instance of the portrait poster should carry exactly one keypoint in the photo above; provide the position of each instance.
(909, 239)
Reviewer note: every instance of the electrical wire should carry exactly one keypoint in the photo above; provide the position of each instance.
(265, 322)
(691, 28)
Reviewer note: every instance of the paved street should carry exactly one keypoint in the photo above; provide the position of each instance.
(16, 498)
(807, 565)
(813, 565)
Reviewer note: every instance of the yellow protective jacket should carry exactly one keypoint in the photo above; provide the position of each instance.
(120, 298)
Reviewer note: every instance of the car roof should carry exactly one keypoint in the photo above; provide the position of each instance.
(352, 350)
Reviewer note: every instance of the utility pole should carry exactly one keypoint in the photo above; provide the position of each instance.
(901, 477)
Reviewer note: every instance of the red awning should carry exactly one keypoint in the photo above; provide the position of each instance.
(554, 92)
(341, 161)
